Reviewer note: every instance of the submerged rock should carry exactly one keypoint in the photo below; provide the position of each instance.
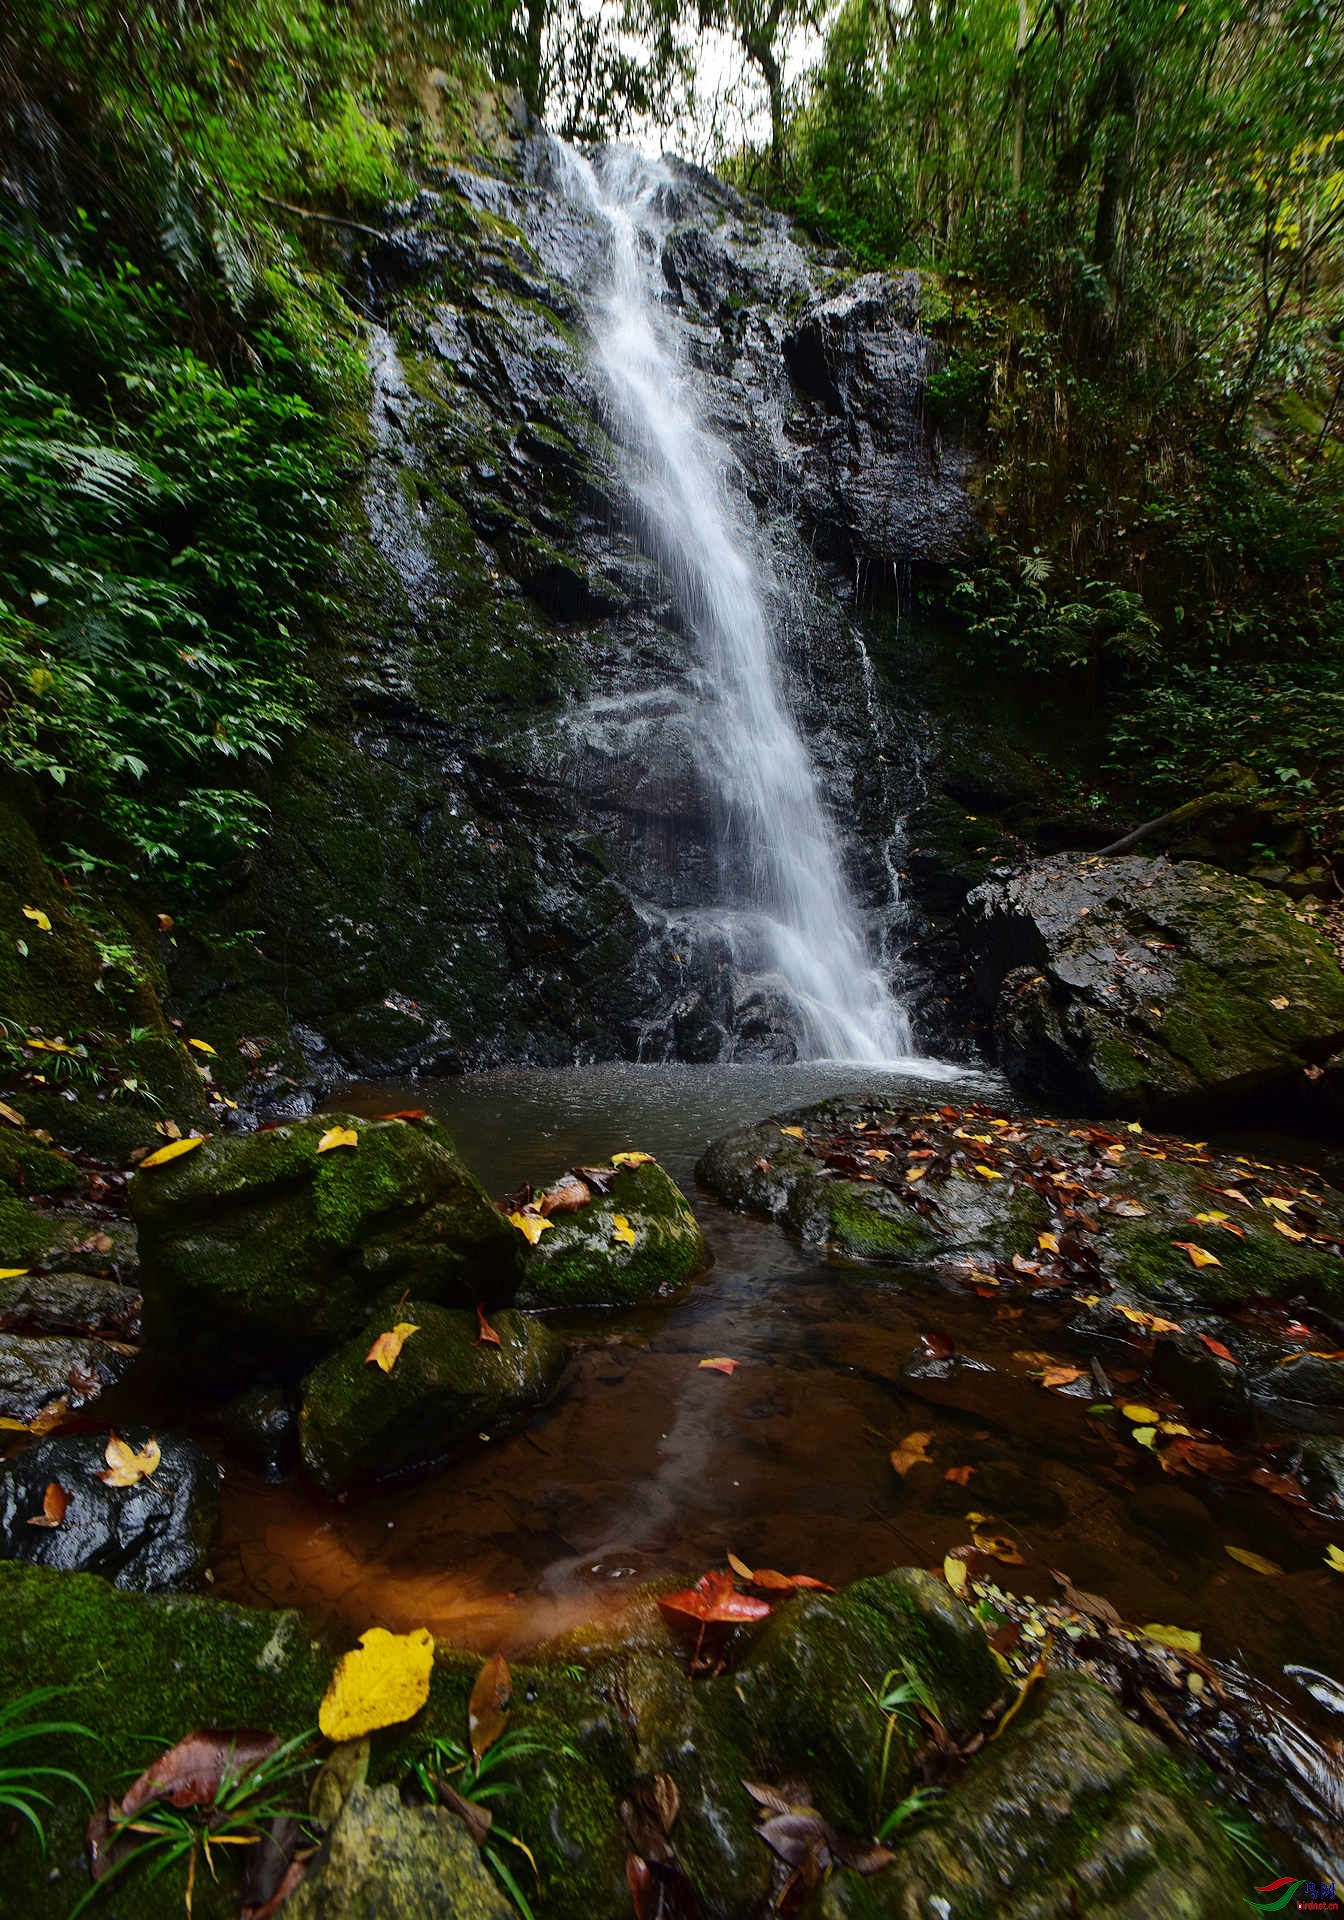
(261, 1250)
(382, 1859)
(1072, 1811)
(152, 1537)
(1137, 987)
(445, 1385)
(636, 1241)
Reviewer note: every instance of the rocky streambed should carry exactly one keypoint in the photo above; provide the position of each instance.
(1083, 1383)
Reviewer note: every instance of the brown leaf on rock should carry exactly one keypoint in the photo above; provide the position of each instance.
(485, 1334)
(1197, 1456)
(191, 1773)
(54, 1503)
(567, 1195)
(488, 1707)
(477, 1819)
(1279, 1485)
(1090, 1603)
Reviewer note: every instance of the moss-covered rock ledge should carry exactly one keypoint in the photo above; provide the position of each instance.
(1069, 1803)
(1028, 1202)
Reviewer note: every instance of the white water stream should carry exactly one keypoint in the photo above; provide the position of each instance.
(792, 915)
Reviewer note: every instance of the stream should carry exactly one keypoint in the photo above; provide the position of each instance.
(647, 1465)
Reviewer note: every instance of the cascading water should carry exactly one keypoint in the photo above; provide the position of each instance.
(791, 914)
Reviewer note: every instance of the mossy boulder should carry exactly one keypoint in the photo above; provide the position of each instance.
(383, 1858)
(809, 1686)
(1073, 1810)
(638, 1241)
(445, 1385)
(262, 1250)
(1136, 987)
(140, 1669)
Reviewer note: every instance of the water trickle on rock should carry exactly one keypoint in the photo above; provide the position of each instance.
(787, 913)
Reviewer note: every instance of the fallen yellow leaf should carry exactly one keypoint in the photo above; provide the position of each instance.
(794, 1133)
(203, 1046)
(1181, 1639)
(1036, 1673)
(12, 1273)
(630, 1159)
(915, 1173)
(14, 1119)
(622, 1230)
(38, 918)
(740, 1568)
(379, 1683)
(530, 1225)
(1175, 1428)
(988, 1173)
(912, 1452)
(1289, 1233)
(1199, 1256)
(1334, 1557)
(383, 1353)
(1146, 1436)
(955, 1573)
(125, 1466)
(337, 1137)
(1279, 1206)
(1146, 1416)
(1255, 1561)
(1048, 1242)
(173, 1151)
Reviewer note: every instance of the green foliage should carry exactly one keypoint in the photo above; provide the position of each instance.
(166, 528)
(239, 1815)
(19, 1789)
(1136, 212)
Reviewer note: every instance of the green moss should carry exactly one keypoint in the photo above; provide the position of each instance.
(584, 1259)
(445, 1386)
(141, 1672)
(264, 1248)
(30, 1167)
(867, 1223)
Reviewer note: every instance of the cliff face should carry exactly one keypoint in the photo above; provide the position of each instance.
(495, 843)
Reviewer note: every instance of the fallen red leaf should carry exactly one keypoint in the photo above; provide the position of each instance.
(406, 1113)
(771, 1582)
(191, 1773)
(1216, 1346)
(1278, 1484)
(719, 1366)
(959, 1475)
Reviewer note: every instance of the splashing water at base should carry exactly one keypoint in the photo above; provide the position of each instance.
(781, 864)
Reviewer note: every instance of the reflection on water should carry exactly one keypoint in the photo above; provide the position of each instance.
(525, 1123)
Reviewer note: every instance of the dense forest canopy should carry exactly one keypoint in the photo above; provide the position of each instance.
(1130, 214)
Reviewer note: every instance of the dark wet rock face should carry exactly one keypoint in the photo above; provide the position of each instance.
(497, 840)
(1136, 987)
(878, 483)
(152, 1537)
(447, 1385)
(263, 1249)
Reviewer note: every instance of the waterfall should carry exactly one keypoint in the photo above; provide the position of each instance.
(788, 908)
